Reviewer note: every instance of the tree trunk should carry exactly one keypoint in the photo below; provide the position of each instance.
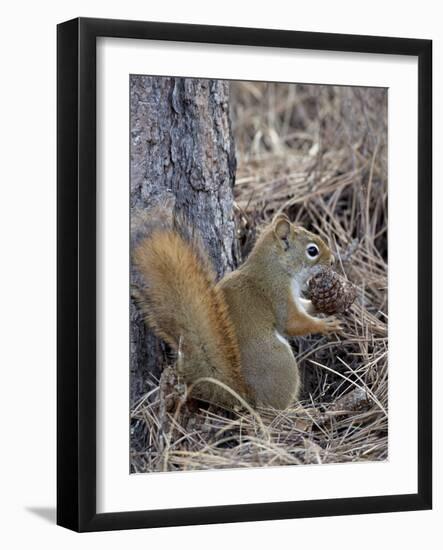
(181, 147)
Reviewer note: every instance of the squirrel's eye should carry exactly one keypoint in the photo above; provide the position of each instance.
(312, 250)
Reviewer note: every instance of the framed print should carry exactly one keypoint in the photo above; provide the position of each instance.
(244, 274)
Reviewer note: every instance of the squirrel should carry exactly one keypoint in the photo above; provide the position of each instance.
(230, 335)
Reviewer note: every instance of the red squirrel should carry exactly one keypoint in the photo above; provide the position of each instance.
(234, 330)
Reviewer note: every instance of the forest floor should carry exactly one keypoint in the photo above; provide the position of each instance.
(319, 154)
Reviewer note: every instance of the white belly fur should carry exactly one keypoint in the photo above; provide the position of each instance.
(296, 285)
(283, 340)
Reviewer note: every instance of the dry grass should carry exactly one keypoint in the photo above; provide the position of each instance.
(319, 154)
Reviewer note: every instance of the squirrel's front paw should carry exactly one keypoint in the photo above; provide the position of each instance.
(331, 324)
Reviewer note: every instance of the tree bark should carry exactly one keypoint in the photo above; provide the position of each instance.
(181, 147)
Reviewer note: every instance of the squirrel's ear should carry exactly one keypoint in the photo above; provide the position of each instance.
(282, 229)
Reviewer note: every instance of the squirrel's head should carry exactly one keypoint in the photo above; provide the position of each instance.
(299, 251)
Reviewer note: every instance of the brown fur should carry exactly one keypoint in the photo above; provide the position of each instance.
(181, 300)
(263, 309)
(233, 331)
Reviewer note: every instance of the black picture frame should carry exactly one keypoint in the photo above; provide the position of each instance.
(76, 280)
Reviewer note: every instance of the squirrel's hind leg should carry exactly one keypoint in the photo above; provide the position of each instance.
(272, 372)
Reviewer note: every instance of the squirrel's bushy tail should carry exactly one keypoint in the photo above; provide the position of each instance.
(181, 302)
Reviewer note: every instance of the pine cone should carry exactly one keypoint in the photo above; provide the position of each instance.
(330, 293)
